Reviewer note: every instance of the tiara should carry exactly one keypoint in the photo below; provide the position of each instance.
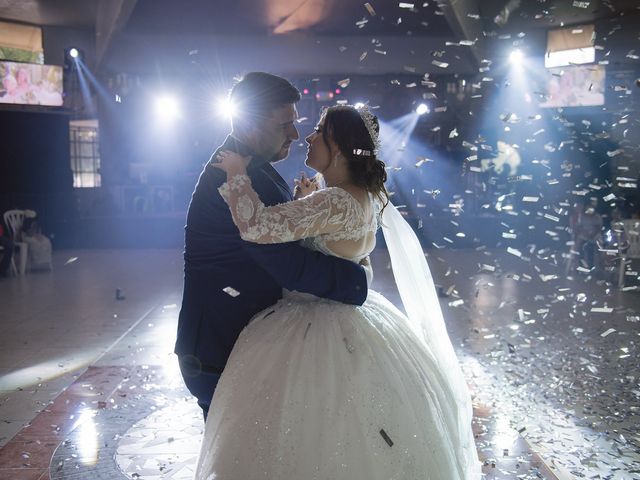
(369, 120)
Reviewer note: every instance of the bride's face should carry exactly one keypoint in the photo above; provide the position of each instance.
(318, 152)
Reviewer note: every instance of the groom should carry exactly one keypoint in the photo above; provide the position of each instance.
(228, 280)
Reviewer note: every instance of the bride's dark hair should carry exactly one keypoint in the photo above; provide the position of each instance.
(344, 124)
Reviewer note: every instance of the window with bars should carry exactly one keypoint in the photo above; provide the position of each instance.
(85, 153)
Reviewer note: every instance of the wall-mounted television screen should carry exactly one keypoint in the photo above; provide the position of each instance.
(30, 84)
(575, 86)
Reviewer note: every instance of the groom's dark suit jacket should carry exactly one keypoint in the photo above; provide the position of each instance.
(216, 257)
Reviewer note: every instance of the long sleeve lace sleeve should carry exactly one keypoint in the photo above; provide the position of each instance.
(324, 211)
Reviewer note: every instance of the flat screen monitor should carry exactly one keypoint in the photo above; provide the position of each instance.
(30, 84)
(575, 86)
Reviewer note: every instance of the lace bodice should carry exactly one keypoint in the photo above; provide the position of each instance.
(331, 220)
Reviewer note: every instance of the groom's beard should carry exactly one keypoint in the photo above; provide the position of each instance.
(282, 154)
(259, 158)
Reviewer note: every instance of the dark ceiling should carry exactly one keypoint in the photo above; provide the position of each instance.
(263, 17)
(325, 17)
(152, 32)
(530, 14)
(57, 13)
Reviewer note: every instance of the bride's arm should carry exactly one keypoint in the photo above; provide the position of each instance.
(324, 211)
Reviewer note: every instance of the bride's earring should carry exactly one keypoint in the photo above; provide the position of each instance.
(335, 159)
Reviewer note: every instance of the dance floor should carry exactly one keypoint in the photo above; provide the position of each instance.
(90, 389)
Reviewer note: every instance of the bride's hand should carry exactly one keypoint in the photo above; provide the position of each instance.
(232, 163)
(304, 186)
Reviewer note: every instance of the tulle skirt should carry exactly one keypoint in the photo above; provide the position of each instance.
(316, 389)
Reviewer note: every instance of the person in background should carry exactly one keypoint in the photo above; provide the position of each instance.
(586, 224)
(6, 253)
(39, 245)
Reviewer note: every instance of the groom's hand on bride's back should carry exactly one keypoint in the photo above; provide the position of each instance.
(366, 264)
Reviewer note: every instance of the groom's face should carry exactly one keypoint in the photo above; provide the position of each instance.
(277, 134)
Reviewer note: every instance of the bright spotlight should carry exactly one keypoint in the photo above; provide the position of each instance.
(359, 105)
(226, 107)
(73, 53)
(167, 107)
(422, 109)
(516, 57)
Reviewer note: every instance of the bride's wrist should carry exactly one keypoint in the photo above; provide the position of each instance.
(235, 173)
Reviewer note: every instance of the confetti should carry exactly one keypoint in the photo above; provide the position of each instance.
(386, 438)
(607, 332)
(615, 153)
(440, 64)
(515, 252)
(433, 193)
(231, 291)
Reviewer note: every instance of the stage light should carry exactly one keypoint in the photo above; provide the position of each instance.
(226, 107)
(359, 105)
(305, 91)
(422, 109)
(516, 57)
(324, 96)
(338, 91)
(167, 107)
(72, 56)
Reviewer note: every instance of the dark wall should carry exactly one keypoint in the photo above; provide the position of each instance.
(35, 170)
(56, 40)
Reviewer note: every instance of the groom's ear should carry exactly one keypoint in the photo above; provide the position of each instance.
(244, 130)
(252, 135)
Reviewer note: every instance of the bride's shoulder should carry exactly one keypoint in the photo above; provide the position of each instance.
(354, 201)
(357, 194)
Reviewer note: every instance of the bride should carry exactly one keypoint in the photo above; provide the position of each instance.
(316, 389)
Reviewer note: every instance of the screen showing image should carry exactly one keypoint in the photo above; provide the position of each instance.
(30, 84)
(575, 86)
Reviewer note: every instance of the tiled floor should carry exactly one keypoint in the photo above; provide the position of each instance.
(89, 387)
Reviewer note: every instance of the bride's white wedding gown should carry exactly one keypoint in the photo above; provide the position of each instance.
(316, 389)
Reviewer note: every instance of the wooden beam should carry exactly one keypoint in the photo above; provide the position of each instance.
(464, 19)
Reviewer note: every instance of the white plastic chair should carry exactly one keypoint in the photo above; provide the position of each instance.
(12, 266)
(13, 219)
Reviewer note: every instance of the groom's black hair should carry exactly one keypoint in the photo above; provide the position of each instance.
(257, 94)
